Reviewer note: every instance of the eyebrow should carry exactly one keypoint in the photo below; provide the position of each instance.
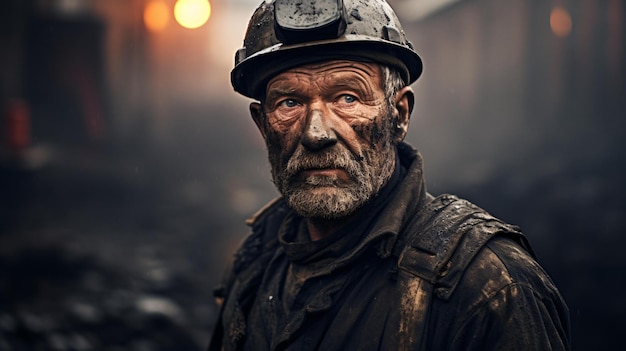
(352, 83)
(279, 90)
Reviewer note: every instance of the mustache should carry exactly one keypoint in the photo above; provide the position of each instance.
(337, 157)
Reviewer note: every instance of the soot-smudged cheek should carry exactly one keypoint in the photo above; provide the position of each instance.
(281, 143)
(362, 130)
(372, 133)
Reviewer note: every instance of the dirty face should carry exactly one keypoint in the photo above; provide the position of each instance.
(330, 138)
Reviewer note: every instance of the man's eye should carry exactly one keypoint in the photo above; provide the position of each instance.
(349, 99)
(289, 103)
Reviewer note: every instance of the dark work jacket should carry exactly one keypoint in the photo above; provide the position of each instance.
(428, 274)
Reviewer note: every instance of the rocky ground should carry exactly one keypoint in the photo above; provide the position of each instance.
(98, 256)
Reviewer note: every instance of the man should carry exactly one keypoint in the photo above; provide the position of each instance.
(355, 254)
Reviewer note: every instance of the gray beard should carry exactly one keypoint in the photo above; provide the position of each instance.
(327, 197)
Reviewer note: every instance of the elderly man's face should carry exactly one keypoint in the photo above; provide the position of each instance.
(330, 136)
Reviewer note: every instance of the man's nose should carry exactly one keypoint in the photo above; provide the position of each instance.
(318, 133)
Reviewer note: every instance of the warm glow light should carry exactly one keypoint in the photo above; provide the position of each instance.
(560, 22)
(156, 15)
(192, 13)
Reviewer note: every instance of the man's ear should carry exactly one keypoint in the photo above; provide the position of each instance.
(404, 101)
(256, 111)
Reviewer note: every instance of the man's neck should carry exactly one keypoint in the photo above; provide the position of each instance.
(320, 228)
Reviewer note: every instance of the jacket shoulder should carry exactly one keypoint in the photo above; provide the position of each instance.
(490, 291)
(264, 225)
(507, 297)
(444, 238)
(502, 264)
(254, 245)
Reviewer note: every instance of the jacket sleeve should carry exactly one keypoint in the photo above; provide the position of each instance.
(506, 301)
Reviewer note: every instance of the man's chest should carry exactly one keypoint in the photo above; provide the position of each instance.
(353, 305)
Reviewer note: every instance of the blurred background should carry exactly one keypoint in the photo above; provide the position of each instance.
(128, 164)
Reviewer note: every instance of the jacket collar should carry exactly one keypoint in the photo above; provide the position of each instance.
(406, 202)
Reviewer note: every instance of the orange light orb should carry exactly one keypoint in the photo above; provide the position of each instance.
(560, 22)
(156, 16)
(192, 13)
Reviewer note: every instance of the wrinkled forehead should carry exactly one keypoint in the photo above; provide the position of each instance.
(334, 71)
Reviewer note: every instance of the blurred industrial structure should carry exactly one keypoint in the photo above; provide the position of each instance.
(127, 163)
